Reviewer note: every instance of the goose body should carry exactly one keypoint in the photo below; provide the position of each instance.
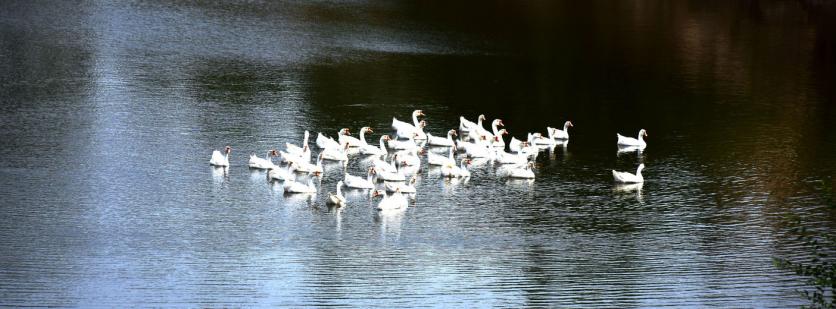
(440, 141)
(624, 141)
(303, 150)
(404, 145)
(307, 167)
(562, 134)
(281, 174)
(435, 159)
(452, 171)
(337, 199)
(408, 157)
(373, 150)
(627, 177)
(292, 186)
(406, 130)
(503, 157)
(354, 142)
(521, 171)
(265, 163)
(324, 142)
(403, 187)
(395, 201)
(219, 159)
(358, 182)
(335, 154)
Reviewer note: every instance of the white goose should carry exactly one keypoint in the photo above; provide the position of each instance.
(521, 171)
(561, 134)
(353, 142)
(396, 201)
(440, 141)
(335, 154)
(281, 174)
(627, 177)
(434, 159)
(479, 131)
(402, 187)
(498, 140)
(404, 129)
(452, 171)
(376, 151)
(300, 150)
(503, 157)
(639, 143)
(324, 142)
(480, 149)
(387, 174)
(219, 159)
(409, 157)
(307, 167)
(358, 182)
(292, 186)
(539, 139)
(265, 163)
(465, 126)
(336, 199)
(408, 144)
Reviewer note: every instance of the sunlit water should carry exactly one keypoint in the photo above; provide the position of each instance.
(110, 113)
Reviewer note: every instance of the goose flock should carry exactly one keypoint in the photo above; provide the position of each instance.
(395, 160)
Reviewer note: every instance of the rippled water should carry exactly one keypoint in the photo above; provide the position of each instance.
(110, 113)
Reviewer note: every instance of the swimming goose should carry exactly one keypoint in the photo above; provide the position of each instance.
(265, 163)
(299, 150)
(561, 134)
(503, 157)
(465, 126)
(434, 159)
(353, 142)
(452, 171)
(335, 154)
(408, 144)
(324, 142)
(403, 187)
(440, 141)
(627, 177)
(281, 174)
(522, 171)
(292, 186)
(337, 199)
(639, 143)
(396, 201)
(219, 159)
(404, 129)
(376, 151)
(358, 182)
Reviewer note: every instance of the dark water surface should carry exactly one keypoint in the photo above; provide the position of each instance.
(110, 112)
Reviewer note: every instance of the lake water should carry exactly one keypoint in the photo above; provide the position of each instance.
(110, 113)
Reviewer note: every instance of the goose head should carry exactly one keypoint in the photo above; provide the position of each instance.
(366, 129)
(417, 113)
(482, 117)
(643, 132)
(498, 123)
(568, 124)
(452, 132)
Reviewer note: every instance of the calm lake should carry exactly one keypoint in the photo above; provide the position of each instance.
(110, 112)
